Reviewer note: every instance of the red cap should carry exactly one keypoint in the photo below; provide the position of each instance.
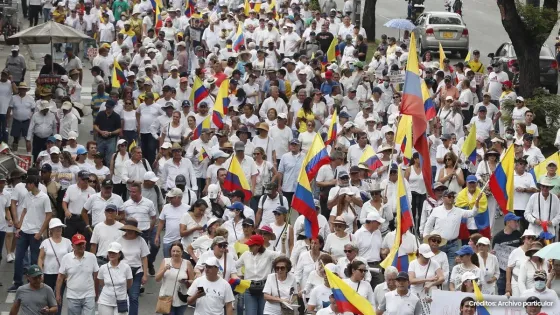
(328, 74)
(78, 239)
(255, 240)
(507, 83)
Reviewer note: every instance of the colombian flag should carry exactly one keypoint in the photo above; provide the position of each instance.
(404, 223)
(404, 137)
(316, 157)
(304, 204)
(159, 21)
(239, 286)
(413, 105)
(239, 39)
(429, 106)
(482, 219)
(501, 181)
(190, 8)
(402, 262)
(370, 158)
(540, 169)
(251, 5)
(333, 51)
(118, 75)
(202, 155)
(221, 105)
(235, 179)
(480, 309)
(199, 92)
(469, 146)
(333, 132)
(347, 299)
(198, 130)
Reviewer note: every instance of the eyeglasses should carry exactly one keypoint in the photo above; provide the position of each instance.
(435, 240)
(348, 251)
(280, 268)
(92, 181)
(518, 101)
(223, 245)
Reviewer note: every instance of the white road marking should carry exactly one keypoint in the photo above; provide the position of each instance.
(10, 298)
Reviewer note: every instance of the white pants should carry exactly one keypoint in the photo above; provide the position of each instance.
(107, 310)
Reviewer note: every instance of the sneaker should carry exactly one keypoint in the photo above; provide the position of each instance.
(142, 289)
(152, 271)
(13, 288)
(11, 257)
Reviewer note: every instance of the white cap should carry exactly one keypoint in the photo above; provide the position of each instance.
(374, 216)
(346, 191)
(386, 129)
(151, 176)
(130, 74)
(121, 141)
(72, 135)
(213, 191)
(449, 98)
(173, 68)
(55, 222)
(115, 247)
(174, 192)
(528, 232)
(54, 150)
(348, 125)
(66, 105)
(15, 48)
(58, 137)
(398, 50)
(220, 154)
(426, 251)
(64, 78)
(468, 276)
(484, 241)
(282, 116)
(520, 98)
(212, 261)
(332, 268)
(166, 145)
(146, 58)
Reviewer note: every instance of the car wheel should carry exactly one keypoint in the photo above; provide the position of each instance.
(463, 53)
(553, 89)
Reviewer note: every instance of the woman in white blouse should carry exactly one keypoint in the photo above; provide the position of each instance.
(307, 261)
(191, 225)
(174, 131)
(356, 272)
(99, 169)
(116, 168)
(465, 265)
(489, 267)
(115, 278)
(280, 286)
(424, 273)
(528, 268)
(306, 137)
(344, 210)
(334, 245)
(51, 252)
(258, 263)
(516, 258)
(128, 122)
(320, 294)
(175, 273)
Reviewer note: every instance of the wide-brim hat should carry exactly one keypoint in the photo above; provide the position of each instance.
(426, 239)
(131, 226)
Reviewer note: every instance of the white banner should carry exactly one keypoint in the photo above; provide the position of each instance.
(448, 303)
(502, 253)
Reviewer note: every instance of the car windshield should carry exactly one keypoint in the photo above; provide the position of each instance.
(448, 20)
(545, 52)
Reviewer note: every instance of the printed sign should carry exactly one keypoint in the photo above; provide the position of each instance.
(502, 253)
(25, 162)
(92, 52)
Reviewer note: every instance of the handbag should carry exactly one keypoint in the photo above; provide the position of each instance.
(292, 309)
(165, 302)
(122, 305)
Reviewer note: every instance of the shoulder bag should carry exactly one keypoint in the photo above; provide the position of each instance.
(122, 305)
(165, 302)
(181, 296)
(286, 310)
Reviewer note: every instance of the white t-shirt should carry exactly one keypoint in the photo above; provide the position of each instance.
(79, 275)
(217, 294)
(76, 198)
(104, 234)
(422, 272)
(319, 297)
(115, 282)
(51, 261)
(278, 288)
(189, 222)
(335, 245)
(172, 216)
(133, 251)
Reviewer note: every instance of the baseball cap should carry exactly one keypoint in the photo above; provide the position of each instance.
(111, 207)
(34, 271)
(236, 206)
(511, 217)
(471, 179)
(174, 192)
(280, 209)
(402, 276)
(374, 216)
(212, 261)
(255, 240)
(107, 183)
(46, 168)
(213, 191)
(83, 174)
(115, 247)
(78, 239)
(151, 176)
(465, 250)
(483, 241)
(426, 251)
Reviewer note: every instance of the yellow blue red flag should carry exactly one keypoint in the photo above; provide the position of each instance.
(501, 181)
(236, 180)
(346, 297)
(469, 146)
(221, 105)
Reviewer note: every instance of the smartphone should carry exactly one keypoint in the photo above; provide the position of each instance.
(201, 289)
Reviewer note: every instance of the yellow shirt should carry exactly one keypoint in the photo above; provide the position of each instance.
(308, 117)
(143, 95)
(477, 67)
(288, 86)
(59, 16)
(136, 26)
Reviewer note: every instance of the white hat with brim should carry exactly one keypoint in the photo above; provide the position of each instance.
(174, 192)
(114, 247)
(426, 239)
(425, 251)
(151, 176)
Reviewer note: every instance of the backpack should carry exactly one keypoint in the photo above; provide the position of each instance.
(266, 196)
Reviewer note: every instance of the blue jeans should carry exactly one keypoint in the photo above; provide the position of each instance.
(85, 306)
(179, 310)
(107, 147)
(450, 248)
(130, 135)
(23, 242)
(240, 304)
(254, 304)
(501, 283)
(134, 293)
(46, 14)
(149, 146)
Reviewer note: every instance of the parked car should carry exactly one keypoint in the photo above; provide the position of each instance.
(505, 55)
(449, 29)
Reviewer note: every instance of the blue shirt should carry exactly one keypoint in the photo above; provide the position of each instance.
(290, 166)
(281, 86)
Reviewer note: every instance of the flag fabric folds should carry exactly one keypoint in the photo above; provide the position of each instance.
(441, 57)
(429, 106)
(304, 204)
(159, 21)
(239, 286)
(333, 51)
(501, 181)
(347, 299)
(132, 145)
(404, 137)
(198, 130)
(480, 309)
(412, 104)
(316, 157)
(221, 105)
(404, 223)
(540, 169)
(469, 146)
(402, 262)
(202, 155)
(190, 8)
(333, 129)
(482, 219)
(235, 179)
(238, 39)
(118, 75)
(198, 93)
(370, 158)
(468, 57)
(251, 6)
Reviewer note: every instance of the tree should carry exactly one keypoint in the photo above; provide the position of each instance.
(528, 27)
(368, 18)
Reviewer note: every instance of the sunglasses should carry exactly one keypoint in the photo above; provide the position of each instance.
(348, 251)
(362, 270)
(436, 240)
(224, 245)
(280, 268)
(92, 181)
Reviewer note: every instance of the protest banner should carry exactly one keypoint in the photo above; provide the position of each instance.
(502, 252)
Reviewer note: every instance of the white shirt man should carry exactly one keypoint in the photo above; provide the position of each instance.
(445, 220)
(271, 102)
(368, 238)
(543, 207)
(143, 211)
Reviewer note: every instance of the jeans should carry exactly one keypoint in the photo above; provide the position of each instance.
(46, 14)
(107, 147)
(149, 146)
(254, 304)
(50, 280)
(450, 248)
(501, 283)
(134, 293)
(130, 135)
(85, 306)
(417, 204)
(149, 236)
(179, 310)
(240, 307)
(23, 242)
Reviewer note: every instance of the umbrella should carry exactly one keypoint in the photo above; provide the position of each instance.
(400, 24)
(50, 32)
(551, 251)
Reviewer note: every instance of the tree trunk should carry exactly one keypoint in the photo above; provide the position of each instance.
(527, 42)
(368, 19)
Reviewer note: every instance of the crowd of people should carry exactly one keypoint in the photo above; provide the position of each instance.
(86, 223)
